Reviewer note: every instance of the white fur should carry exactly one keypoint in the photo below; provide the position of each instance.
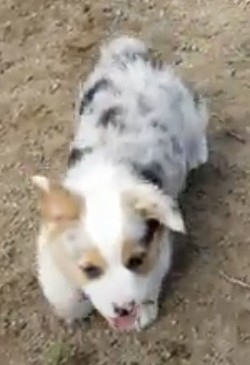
(65, 297)
(101, 177)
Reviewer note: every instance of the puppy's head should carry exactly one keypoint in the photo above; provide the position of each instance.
(109, 242)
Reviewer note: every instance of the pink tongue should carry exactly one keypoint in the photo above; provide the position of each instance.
(123, 323)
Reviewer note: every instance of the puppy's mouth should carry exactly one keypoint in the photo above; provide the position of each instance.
(124, 323)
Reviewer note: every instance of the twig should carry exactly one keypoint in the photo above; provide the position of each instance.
(82, 47)
(233, 134)
(235, 281)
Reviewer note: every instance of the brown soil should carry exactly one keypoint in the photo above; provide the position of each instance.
(44, 49)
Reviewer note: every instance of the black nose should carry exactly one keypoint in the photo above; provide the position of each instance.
(121, 312)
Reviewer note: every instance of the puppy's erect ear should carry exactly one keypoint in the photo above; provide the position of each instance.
(57, 203)
(153, 204)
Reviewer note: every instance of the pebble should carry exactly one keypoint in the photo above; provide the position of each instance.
(54, 87)
(151, 5)
(33, 15)
(7, 26)
(190, 48)
(86, 8)
(119, 12)
(107, 9)
(161, 13)
(182, 337)
(233, 72)
(12, 6)
(58, 23)
(69, 28)
(178, 60)
(6, 323)
(29, 78)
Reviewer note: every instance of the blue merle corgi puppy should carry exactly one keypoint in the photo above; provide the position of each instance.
(105, 236)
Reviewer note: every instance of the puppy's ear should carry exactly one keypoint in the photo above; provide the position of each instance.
(153, 204)
(58, 204)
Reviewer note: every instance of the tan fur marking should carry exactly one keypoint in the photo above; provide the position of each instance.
(73, 269)
(59, 205)
(67, 265)
(93, 257)
(146, 200)
(147, 209)
(150, 254)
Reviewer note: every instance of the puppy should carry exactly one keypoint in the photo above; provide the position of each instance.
(105, 237)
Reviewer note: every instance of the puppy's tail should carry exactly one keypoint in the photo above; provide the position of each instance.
(124, 48)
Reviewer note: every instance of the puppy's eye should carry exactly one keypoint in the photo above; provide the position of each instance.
(135, 262)
(152, 225)
(92, 271)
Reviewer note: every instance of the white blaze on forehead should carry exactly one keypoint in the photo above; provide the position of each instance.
(104, 221)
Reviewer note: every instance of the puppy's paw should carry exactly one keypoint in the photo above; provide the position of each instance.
(203, 151)
(147, 315)
(74, 312)
(87, 308)
(199, 154)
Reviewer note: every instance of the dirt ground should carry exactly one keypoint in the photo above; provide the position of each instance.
(45, 47)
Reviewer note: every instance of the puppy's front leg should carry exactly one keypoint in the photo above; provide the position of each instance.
(148, 313)
(66, 299)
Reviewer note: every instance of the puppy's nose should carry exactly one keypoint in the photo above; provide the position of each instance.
(125, 310)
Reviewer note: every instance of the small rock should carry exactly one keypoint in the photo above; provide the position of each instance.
(22, 324)
(165, 356)
(190, 48)
(58, 23)
(182, 337)
(13, 324)
(161, 14)
(29, 78)
(54, 87)
(194, 48)
(90, 19)
(86, 8)
(7, 26)
(178, 60)
(33, 15)
(233, 72)
(151, 5)
(107, 9)
(125, 16)
(69, 28)
(174, 322)
(119, 13)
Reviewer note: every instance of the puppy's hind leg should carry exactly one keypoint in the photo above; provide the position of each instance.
(199, 153)
(198, 147)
